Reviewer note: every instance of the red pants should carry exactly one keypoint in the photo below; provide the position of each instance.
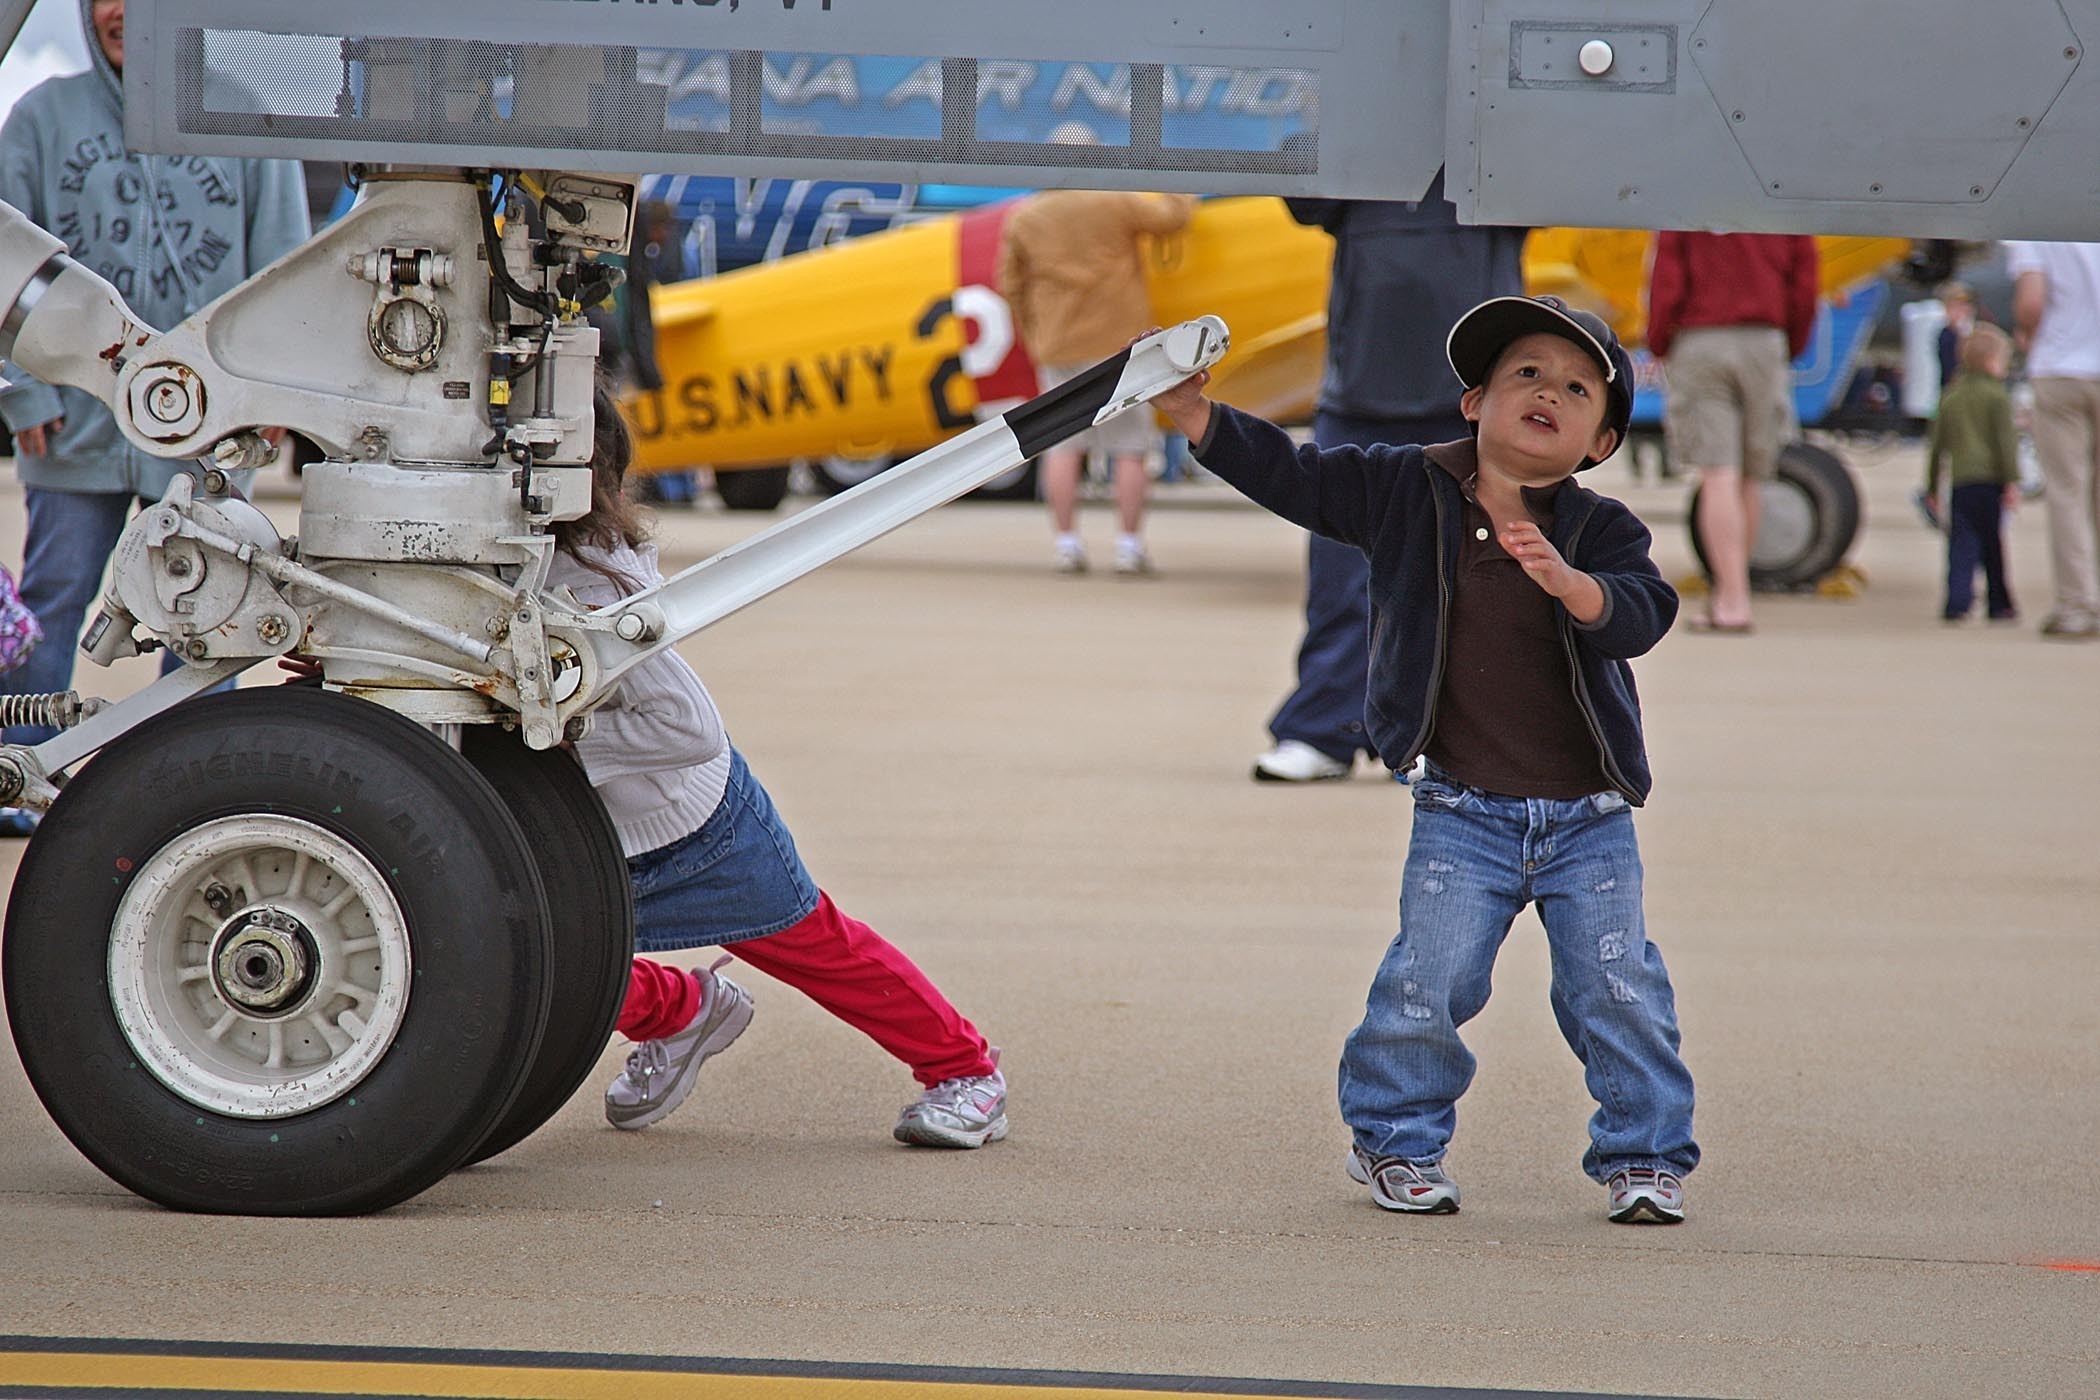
(845, 967)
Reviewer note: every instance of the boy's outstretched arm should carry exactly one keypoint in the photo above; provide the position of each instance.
(1341, 493)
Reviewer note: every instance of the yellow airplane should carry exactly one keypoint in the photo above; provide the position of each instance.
(882, 346)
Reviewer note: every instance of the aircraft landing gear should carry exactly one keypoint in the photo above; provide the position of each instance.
(282, 952)
(591, 901)
(1811, 516)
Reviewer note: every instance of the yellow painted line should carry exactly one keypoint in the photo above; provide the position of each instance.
(238, 1375)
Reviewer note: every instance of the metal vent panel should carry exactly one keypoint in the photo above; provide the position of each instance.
(1220, 96)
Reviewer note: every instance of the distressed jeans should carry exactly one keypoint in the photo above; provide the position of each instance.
(1475, 860)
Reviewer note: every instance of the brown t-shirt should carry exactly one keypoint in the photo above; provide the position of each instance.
(1507, 720)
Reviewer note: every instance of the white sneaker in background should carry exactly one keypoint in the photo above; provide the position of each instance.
(1132, 561)
(1293, 761)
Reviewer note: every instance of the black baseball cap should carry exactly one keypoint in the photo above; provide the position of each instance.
(1484, 332)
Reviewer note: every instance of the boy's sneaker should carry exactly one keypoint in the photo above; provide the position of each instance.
(660, 1073)
(965, 1112)
(1644, 1196)
(1398, 1184)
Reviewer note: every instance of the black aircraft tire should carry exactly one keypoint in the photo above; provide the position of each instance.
(1017, 485)
(752, 488)
(1812, 517)
(379, 1038)
(833, 475)
(591, 903)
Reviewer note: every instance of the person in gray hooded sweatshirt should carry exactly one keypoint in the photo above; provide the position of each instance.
(170, 233)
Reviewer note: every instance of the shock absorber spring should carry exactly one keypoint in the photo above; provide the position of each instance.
(61, 708)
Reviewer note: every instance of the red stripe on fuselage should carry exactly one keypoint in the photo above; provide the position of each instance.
(977, 259)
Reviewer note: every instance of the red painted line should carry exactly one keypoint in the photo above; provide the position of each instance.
(2072, 1266)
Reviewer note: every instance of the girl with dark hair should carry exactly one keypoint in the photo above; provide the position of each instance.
(714, 865)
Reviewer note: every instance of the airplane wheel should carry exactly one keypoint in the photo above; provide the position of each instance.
(836, 474)
(752, 488)
(1810, 518)
(277, 952)
(1016, 485)
(591, 901)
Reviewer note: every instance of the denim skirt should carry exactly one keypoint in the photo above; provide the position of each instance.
(736, 877)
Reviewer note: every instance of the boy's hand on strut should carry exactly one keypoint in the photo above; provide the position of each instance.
(1528, 545)
(1184, 404)
(1186, 407)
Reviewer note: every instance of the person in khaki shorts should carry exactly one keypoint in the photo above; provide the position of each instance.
(1071, 265)
(1728, 312)
(2056, 320)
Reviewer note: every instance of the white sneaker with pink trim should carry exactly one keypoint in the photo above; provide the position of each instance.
(966, 1112)
(660, 1073)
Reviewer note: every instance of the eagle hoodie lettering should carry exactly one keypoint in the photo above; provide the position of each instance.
(170, 233)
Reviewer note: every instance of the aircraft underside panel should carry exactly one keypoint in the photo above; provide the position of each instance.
(1314, 96)
(1914, 117)
(1937, 118)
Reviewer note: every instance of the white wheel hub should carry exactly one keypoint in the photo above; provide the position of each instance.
(1787, 526)
(259, 966)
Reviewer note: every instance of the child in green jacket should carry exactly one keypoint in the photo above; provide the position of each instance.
(1974, 447)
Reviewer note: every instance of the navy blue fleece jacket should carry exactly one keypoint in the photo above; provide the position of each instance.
(1403, 511)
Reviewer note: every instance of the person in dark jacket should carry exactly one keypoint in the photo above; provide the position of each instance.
(1959, 305)
(1403, 272)
(1505, 601)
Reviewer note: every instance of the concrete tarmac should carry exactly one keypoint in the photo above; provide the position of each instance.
(1870, 863)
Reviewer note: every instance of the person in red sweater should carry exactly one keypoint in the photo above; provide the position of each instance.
(1728, 313)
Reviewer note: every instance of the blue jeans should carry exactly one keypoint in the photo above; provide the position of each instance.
(70, 536)
(1334, 661)
(737, 876)
(1474, 861)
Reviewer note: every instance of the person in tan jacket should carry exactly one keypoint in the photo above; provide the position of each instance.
(1071, 265)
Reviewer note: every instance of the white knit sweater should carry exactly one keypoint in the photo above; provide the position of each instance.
(657, 752)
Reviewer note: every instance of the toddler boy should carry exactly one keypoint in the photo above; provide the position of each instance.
(1505, 602)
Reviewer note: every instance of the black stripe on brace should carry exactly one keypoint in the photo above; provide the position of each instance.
(1048, 419)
